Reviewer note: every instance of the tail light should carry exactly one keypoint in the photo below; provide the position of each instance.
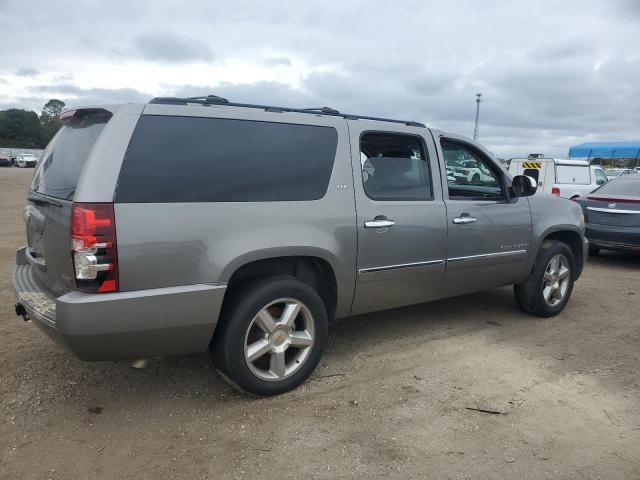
(614, 199)
(94, 250)
(555, 191)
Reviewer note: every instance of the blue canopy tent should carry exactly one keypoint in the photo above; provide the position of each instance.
(606, 153)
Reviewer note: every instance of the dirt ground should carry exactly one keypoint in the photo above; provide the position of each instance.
(390, 398)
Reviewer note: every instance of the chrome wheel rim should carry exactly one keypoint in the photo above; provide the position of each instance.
(555, 282)
(279, 339)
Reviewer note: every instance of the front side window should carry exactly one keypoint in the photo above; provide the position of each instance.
(394, 167)
(601, 178)
(469, 173)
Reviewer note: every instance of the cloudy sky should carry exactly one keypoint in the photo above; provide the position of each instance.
(552, 72)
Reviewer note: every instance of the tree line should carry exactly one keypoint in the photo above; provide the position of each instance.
(25, 129)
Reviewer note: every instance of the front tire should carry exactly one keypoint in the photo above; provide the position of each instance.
(548, 287)
(271, 335)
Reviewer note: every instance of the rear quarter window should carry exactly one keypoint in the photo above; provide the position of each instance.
(573, 174)
(194, 159)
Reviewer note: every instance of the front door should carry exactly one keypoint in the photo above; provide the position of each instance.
(489, 233)
(400, 217)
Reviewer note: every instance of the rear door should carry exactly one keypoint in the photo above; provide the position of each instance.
(50, 199)
(401, 216)
(489, 234)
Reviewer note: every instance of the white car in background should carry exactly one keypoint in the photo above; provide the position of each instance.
(26, 160)
(618, 172)
(564, 178)
(469, 172)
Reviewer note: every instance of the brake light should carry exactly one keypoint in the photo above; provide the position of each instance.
(94, 250)
(555, 191)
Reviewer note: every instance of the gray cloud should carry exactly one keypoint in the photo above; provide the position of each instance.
(164, 46)
(27, 72)
(277, 62)
(552, 74)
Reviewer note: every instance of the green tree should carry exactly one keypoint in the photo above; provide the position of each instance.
(20, 128)
(50, 118)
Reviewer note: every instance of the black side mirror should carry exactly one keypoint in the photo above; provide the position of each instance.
(523, 186)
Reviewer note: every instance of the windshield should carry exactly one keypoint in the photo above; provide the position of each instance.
(61, 164)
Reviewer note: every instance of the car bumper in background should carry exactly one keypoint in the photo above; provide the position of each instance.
(110, 326)
(613, 237)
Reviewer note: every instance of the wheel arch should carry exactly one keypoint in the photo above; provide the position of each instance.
(311, 268)
(568, 234)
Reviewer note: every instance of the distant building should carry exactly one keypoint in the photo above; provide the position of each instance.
(608, 154)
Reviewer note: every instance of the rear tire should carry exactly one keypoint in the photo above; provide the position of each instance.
(548, 287)
(271, 335)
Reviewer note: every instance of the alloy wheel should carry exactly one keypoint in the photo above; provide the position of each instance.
(279, 339)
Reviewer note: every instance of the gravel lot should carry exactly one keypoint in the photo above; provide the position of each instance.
(390, 398)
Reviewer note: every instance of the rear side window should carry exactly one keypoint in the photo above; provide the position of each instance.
(58, 171)
(573, 174)
(192, 159)
(394, 167)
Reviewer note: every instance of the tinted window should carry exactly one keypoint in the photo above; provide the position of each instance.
(190, 159)
(621, 186)
(533, 173)
(469, 173)
(58, 170)
(394, 167)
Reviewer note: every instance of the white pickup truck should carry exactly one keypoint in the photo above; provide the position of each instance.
(564, 178)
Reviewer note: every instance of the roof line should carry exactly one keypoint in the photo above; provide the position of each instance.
(215, 100)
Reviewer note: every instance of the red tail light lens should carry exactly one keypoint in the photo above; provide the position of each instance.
(555, 191)
(616, 200)
(94, 250)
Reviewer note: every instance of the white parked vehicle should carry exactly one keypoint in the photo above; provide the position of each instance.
(26, 160)
(564, 178)
(469, 172)
(618, 172)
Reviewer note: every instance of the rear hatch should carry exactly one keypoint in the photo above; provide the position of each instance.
(50, 200)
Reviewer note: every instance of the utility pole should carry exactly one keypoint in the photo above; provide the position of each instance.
(475, 129)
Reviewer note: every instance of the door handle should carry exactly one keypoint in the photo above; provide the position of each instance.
(379, 222)
(462, 219)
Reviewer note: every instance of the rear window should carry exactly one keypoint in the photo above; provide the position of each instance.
(61, 163)
(573, 174)
(621, 186)
(192, 159)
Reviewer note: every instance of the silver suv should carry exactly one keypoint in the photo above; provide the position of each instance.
(187, 225)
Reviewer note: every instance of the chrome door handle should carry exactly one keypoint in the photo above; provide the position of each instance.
(463, 220)
(379, 223)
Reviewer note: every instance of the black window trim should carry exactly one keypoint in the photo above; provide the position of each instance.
(427, 159)
(496, 169)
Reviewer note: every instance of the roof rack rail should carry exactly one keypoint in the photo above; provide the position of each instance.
(215, 100)
(331, 111)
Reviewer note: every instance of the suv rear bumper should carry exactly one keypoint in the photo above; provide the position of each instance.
(110, 326)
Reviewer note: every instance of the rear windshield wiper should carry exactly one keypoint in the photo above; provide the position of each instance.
(43, 201)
